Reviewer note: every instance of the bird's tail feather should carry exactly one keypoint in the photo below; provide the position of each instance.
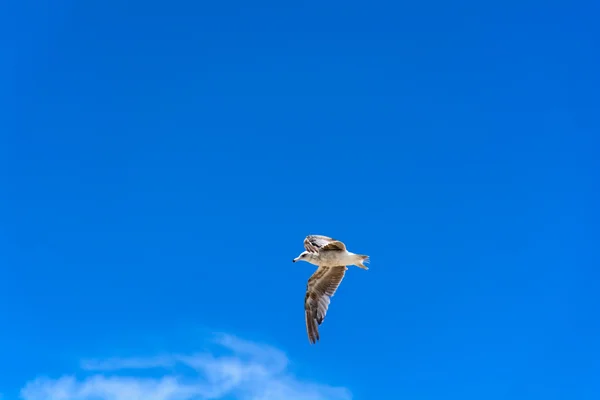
(363, 260)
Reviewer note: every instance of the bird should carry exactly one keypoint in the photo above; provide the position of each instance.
(331, 258)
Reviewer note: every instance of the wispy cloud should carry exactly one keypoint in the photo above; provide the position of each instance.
(250, 371)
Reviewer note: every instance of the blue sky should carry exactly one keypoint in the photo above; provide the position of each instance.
(163, 161)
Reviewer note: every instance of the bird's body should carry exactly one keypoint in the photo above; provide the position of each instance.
(331, 257)
(324, 251)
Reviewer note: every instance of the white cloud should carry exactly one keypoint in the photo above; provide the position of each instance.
(250, 371)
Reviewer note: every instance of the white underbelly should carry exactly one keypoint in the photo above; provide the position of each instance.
(333, 259)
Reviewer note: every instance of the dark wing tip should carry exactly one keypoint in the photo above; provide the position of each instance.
(311, 327)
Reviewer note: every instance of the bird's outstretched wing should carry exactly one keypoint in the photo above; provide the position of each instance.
(321, 286)
(315, 243)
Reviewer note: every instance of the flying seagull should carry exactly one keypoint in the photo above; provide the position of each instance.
(331, 257)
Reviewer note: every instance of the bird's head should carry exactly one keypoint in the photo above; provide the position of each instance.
(304, 256)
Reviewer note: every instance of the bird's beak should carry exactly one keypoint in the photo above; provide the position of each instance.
(295, 259)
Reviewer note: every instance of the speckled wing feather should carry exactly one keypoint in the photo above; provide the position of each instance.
(315, 243)
(321, 286)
